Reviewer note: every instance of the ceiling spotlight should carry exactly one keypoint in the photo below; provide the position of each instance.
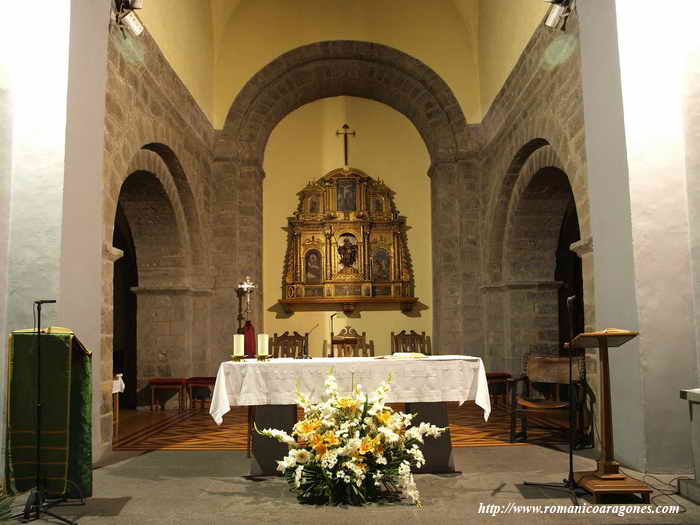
(128, 5)
(125, 17)
(558, 13)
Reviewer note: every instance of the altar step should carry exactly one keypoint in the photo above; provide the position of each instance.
(195, 430)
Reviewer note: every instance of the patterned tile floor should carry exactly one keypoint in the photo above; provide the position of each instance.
(195, 430)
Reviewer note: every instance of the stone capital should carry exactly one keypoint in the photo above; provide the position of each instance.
(174, 290)
(111, 253)
(442, 168)
(252, 171)
(521, 285)
(582, 247)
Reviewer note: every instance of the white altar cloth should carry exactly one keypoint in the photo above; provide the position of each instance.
(432, 379)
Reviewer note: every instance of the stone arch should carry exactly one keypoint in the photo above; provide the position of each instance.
(328, 69)
(162, 247)
(161, 161)
(520, 295)
(533, 224)
(334, 68)
(532, 156)
(152, 134)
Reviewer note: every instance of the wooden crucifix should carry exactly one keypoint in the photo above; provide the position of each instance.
(345, 132)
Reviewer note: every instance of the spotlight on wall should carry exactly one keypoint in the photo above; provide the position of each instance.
(129, 5)
(558, 13)
(125, 17)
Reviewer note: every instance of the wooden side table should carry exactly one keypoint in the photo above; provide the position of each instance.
(499, 378)
(201, 382)
(168, 383)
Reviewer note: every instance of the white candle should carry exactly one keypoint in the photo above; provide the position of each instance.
(263, 344)
(238, 345)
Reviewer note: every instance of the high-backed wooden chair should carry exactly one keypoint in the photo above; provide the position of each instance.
(286, 345)
(411, 342)
(348, 343)
(551, 375)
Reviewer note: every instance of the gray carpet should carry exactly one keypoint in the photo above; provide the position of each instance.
(209, 488)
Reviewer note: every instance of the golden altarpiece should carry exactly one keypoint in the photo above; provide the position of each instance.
(346, 247)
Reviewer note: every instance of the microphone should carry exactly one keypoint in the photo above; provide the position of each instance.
(45, 301)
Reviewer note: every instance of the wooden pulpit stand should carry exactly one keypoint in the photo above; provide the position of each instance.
(607, 479)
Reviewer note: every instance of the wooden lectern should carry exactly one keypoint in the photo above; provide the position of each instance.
(607, 479)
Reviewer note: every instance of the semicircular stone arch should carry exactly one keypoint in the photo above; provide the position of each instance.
(335, 68)
(524, 216)
(148, 162)
(365, 70)
(154, 135)
(533, 156)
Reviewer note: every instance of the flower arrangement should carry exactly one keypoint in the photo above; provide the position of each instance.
(352, 449)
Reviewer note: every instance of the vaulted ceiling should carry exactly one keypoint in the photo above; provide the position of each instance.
(216, 46)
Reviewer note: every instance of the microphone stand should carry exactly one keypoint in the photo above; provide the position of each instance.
(569, 484)
(38, 501)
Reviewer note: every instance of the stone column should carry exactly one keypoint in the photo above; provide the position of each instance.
(445, 191)
(470, 257)
(249, 249)
(224, 236)
(584, 249)
(103, 375)
(457, 317)
(638, 188)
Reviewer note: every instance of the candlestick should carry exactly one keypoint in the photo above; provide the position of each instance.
(238, 345)
(263, 344)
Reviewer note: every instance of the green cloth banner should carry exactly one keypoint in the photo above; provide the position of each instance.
(65, 458)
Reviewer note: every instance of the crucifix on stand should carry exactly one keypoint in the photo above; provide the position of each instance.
(345, 132)
(244, 289)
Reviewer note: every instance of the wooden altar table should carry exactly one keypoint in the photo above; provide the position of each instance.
(425, 385)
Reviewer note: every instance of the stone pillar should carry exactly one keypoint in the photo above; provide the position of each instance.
(225, 246)
(584, 250)
(249, 249)
(103, 375)
(457, 302)
(54, 229)
(470, 257)
(445, 191)
(637, 178)
(237, 251)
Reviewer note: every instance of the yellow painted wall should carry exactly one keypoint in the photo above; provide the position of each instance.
(215, 46)
(505, 28)
(183, 30)
(303, 147)
(434, 32)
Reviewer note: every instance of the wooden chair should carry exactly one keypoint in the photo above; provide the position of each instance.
(348, 343)
(549, 374)
(411, 342)
(167, 383)
(286, 345)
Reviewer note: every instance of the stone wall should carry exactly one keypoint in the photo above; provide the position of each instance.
(384, 74)
(534, 125)
(492, 230)
(158, 137)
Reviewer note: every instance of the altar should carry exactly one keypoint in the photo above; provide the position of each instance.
(425, 385)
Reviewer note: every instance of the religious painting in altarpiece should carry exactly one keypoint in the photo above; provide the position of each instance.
(347, 245)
